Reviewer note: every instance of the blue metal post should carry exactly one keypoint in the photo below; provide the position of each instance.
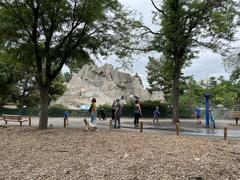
(207, 108)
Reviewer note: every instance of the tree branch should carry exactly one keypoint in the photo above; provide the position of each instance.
(67, 52)
(148, 49)
(159, 10)
(69, 34)
(148, 29)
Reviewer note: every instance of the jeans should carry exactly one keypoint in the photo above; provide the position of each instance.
(93, 118)
(117, 121)
(136, 119)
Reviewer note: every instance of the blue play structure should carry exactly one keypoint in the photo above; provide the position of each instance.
(207, 96)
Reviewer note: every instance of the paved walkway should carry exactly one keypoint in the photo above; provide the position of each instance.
(188, 126)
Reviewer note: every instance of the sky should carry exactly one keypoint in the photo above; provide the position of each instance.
(206, 65)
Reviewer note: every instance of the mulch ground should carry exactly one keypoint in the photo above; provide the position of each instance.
(28, 153)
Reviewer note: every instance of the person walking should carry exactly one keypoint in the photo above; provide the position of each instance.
(93, 111)
(156, 115)
(118, 114)
(113, 109)
(137, 113)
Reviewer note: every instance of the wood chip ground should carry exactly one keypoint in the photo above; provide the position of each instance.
(28, 153)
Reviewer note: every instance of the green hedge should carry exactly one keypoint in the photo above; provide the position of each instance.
(52, 112)
(148, 108)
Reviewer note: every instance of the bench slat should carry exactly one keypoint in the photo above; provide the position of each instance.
(234, 114)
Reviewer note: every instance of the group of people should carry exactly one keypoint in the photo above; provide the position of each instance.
(137, 111)
(212, 117)
(117, 113)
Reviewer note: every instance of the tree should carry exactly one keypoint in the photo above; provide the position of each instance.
(29, 95)
(222, 92)
(159, 76)
(45, 35)
(185, 25)
(232, 64)
(19, 86)
(7, 83)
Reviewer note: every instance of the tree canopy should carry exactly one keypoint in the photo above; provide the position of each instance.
(45, 35)
(185, 25)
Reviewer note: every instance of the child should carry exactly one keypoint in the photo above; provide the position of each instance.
(156, 115)
(212, 118)
(102, 115)
(66, 117)
(198, 115)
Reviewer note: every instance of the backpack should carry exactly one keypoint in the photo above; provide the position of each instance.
(90, 109)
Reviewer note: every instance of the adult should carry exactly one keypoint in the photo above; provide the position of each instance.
(114, 104)
(93, 111)
(198, 115)
(118, 114)
(137, 113)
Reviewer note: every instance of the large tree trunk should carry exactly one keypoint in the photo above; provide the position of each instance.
(176, 77)
(44, 99)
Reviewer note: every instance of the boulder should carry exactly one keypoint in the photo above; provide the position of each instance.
(105, 84)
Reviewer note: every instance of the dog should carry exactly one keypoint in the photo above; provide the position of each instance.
(90, 126)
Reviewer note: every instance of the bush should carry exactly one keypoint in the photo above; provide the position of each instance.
(57, 106)
(148, 108)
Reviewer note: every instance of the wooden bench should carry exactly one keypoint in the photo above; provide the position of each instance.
(13, 118)
(234, 114)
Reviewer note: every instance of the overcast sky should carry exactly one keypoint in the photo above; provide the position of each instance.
(208, 64)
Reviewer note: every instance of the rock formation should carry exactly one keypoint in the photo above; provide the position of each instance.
(105, 84)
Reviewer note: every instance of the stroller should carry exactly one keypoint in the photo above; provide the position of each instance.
(102, 115)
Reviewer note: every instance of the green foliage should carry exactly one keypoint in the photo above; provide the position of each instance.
(159, 79)
(19, 86)
(67, 76)
(57, 88)
(159, 76)
(148, 108)
(105, 106)
(184, 26)
(44, 36)
(235, 75)
(58, 106)
(232, 65)
(222, 92)
(8, 86)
